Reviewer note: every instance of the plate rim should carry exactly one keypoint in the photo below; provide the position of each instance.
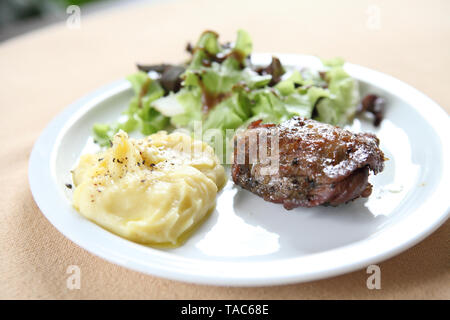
(166, 266)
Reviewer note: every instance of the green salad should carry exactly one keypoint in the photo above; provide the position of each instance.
(221, 89)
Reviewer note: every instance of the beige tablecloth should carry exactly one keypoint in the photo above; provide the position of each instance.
(42, 72)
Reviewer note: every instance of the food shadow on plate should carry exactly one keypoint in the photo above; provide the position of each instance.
(309, 230)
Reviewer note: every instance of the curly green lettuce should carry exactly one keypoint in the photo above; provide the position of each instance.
(222, 90)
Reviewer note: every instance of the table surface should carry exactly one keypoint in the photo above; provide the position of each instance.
(44, 71)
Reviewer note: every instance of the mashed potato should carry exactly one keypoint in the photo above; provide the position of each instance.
(151, 190)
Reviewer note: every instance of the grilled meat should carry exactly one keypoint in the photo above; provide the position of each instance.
(318, 164)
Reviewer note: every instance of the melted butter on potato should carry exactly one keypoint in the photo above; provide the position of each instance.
(151, 190)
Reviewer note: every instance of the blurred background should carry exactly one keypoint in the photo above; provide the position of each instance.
(404, 38)
(20, 16)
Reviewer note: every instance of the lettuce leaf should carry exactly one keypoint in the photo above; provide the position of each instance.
(243, 43)
(140, 113)
(191, 102)
(288, 86)
(345, 94)
(225, 115)
(209, 41)
(340, 99)
(220, 78)
(299, 105)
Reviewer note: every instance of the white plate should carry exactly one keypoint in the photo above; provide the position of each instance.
(248, 241)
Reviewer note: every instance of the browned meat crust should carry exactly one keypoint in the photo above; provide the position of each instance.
(319, 164)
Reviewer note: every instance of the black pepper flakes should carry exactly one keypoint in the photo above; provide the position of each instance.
(68, 185)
